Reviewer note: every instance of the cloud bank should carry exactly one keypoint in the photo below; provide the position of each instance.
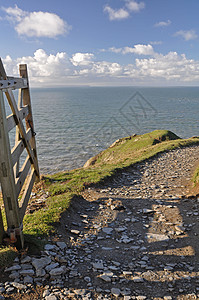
(82, 68)
(36, 24)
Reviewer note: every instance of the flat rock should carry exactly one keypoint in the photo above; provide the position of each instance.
(115, 292)
(57, 271)
(61, 245)
(13, 268)
(40, 272)
(28, 279)
(105, 278)
(27, 272)
(98, 266)
(120, 229)
(107, 230)
(26, 260)
(49, 247)
(40, 263)
(14, 275)
(51, 266)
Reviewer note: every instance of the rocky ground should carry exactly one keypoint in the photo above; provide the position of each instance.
(135, 237)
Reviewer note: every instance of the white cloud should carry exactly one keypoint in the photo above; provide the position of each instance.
(115, 14)
(14, 14)
(43, 69)
(83, 68)
(115, 50)
(134, 6)
(163, 24)
(36, 24)
(124, 12)
(187, 34)
(82, 59)
(171, 66)
(138, 49)
(105, 68)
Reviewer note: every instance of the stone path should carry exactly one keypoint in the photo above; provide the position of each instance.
(134, 238)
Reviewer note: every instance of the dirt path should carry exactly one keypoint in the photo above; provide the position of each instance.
(134, 238)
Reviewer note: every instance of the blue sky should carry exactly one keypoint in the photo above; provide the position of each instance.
(102, 42)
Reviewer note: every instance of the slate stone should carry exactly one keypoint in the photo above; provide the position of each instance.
(51, 266)
(107, 230)
(27, 280)
(40, 263)
(13, 268)
(115, 292)
(49, 247)
(98, 266)
(105, 278)
(61, 245)
(57, 271)
(26, 260)
(27, 272)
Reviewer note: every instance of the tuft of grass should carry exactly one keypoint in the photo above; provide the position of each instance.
(196, 176)
(7, 255)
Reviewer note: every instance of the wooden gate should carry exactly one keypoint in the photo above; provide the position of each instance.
(16, 179)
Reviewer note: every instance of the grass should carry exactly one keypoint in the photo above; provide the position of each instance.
(7, 255)
(196, 176)
(63, 186)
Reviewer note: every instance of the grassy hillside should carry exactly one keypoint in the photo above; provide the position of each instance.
(63, 186)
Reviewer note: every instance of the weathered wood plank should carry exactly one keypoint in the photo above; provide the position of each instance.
(19, 148)
(23, 174)
(13, 83)
(26, 194)
(11, 121)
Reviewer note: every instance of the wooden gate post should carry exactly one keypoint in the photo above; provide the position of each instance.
(29, 119)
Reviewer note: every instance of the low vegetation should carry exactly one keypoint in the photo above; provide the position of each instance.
(62, 187)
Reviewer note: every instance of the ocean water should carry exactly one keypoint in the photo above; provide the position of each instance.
(72, 124)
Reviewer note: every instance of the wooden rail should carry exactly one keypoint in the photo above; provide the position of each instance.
(15, 179)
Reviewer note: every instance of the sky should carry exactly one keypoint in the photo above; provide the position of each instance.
(102, 42)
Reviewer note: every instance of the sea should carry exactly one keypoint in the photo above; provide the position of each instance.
(73, 124)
